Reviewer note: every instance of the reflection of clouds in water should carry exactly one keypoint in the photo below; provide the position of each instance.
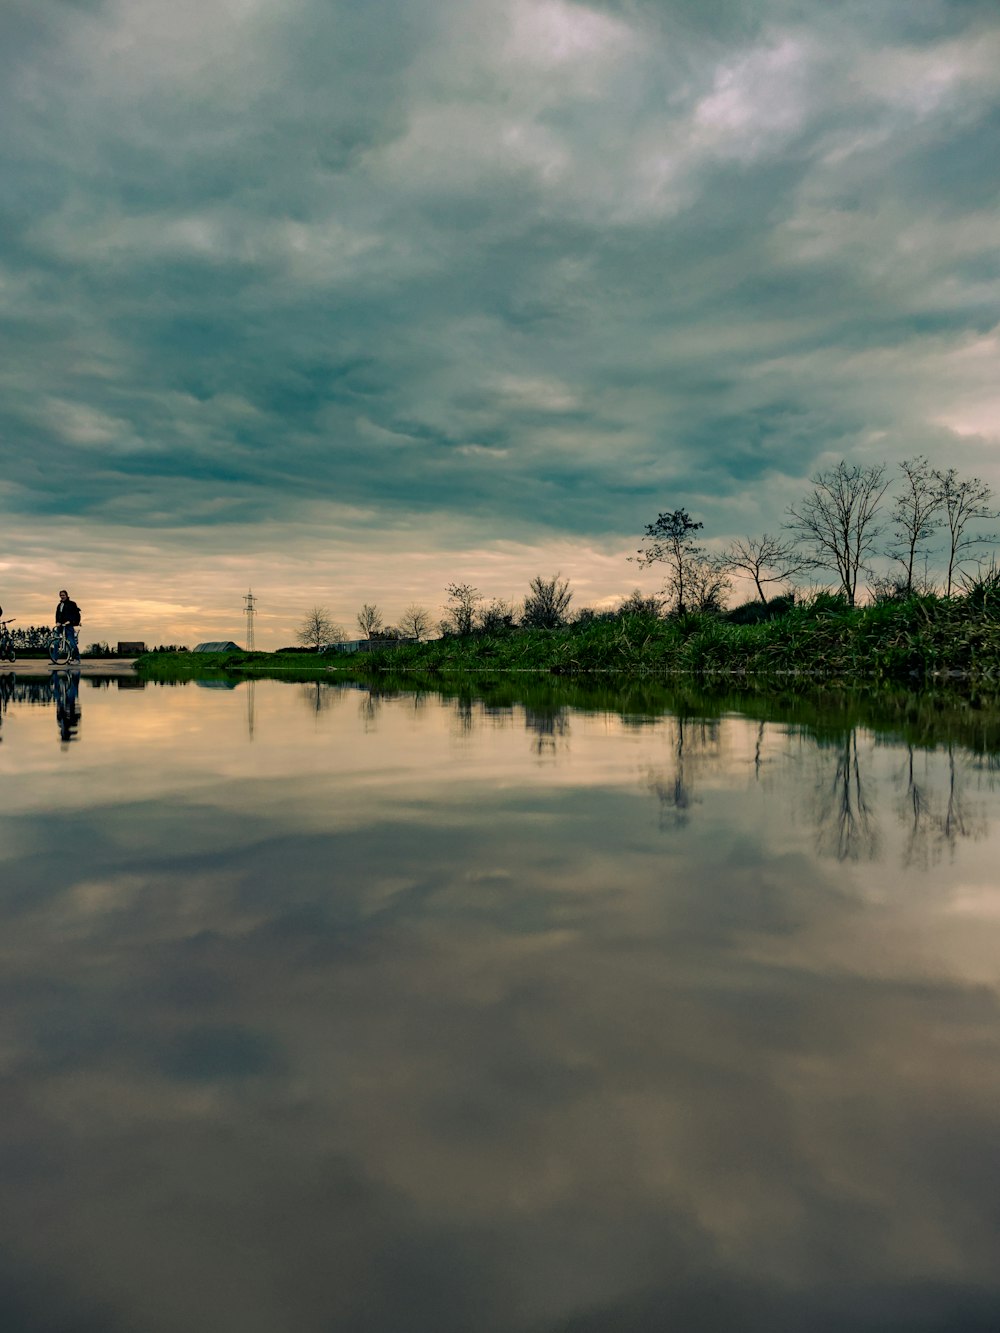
(627, 1099)
(467, 1054)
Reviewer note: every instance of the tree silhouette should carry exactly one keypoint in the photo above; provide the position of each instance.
(369, 620)
(460, 613)
(317, 629)
(546, 604)
(765, 559)
(962, 501)
(670, 541)
(838, 521)
(915, 515)
(415, 622)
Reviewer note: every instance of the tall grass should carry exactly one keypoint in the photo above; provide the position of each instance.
(916, 637)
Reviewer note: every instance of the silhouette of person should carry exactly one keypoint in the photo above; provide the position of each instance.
(68, 614)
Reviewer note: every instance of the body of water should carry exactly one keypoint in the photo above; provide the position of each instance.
(328, 1010)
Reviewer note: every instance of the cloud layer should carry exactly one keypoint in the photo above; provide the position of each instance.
(476, 273)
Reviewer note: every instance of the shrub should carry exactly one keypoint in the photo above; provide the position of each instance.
(755, 612)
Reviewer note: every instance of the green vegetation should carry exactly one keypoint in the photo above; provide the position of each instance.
(913, 638)
(293, 663)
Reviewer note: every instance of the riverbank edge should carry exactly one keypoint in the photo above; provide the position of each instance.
(920, 640)
(89, 666)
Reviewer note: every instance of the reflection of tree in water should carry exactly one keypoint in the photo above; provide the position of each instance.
(548, 723)
(937, 819)
(319, 696)
(845, 819)
(758, 750)
(550, 727)
(369, 710)
(30, 691)
(693, 744)
(466, 711)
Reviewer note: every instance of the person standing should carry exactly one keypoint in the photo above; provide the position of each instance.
(68, 614)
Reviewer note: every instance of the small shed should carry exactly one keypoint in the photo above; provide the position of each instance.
(218, 646)
(130, 648)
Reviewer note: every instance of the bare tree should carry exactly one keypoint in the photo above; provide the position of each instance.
(547, 602)
(706, 584)
(838, 521)
(671, 542)
(765, 559)
(460, 613)
(370, 621)
(962, 501)
(916, 516)
(415, 622)
(316, 629)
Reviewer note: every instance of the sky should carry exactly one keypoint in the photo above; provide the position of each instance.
(345, 300)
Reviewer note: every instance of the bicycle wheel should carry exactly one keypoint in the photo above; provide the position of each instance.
(8, 650)
(59, 649)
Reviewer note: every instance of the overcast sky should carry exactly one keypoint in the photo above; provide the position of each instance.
(345, 299)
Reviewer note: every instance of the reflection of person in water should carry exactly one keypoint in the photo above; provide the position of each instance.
(67, 691)
(7, 683)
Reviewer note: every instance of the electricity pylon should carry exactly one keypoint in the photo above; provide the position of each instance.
(250, 603)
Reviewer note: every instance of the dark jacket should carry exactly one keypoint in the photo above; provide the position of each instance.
(67, 613)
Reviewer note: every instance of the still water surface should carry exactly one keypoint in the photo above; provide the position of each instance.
(324, 1010)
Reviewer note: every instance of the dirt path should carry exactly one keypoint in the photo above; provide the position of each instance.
(98, 666)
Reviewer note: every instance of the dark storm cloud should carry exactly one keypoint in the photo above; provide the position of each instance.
(545, 265)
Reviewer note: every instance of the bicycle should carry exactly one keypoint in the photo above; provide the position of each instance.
(6, 642)
(60, 647)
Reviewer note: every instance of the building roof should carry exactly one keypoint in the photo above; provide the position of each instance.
(218, 646)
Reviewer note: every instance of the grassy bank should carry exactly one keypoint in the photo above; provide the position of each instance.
(170, 666)
(920, 638)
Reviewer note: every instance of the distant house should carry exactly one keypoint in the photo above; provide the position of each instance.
(218, 646)
(130, 648)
